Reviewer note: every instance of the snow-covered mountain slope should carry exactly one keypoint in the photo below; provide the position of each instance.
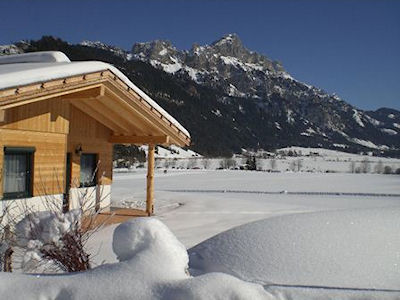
(9, 49)
(293, 105)
(172, 152)
(231, 98)
(225, 63)
(99, 45)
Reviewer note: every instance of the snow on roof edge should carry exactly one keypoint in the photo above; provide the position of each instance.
(56, 65)
(148, 99)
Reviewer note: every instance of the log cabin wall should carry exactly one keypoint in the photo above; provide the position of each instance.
(44, 126)
(54, 127)
(93, 137)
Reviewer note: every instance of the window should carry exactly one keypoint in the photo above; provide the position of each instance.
(17, 172)
(88, 169)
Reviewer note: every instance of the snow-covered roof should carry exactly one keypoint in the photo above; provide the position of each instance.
(24, 69)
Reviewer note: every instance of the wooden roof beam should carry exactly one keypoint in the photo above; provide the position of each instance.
(85, 94)
(113, 113)
(140, 140)
(39, 96)
(125, 111)
(101, 118)
(149, 115)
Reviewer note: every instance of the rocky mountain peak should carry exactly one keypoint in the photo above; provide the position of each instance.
(160, 50)
(226, 61)
(230, 45)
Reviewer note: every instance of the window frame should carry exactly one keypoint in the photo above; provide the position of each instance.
(29, 156)
(94, 171)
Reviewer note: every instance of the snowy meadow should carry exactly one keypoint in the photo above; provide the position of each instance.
(329, 235)
(235, 234)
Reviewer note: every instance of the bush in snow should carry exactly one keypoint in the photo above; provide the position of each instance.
(365, 166)
(48, 240)
(387, 170)
(272, 163)
(55, 237)
(251, 163)
(379, 167)
(206, 163)
(227, 163)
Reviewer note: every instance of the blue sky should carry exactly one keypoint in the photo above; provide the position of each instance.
(348, 47)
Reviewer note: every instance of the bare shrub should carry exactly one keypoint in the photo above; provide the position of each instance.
(352, 167)
(299, 164)
(379, 167)
(192, 163)
(296, 165)
(206, 163)
(52, 239)
(55, 237)
(6, 238)
(227, 163)
(272, 163)
(365, 166)
(158, 162)
(167, 163)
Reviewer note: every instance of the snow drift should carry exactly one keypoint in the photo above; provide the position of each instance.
(354, 249)
(153, 265)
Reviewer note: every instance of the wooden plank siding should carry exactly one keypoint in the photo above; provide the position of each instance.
(93, 138)
(54, 127)
(49, 158)
(44, 116)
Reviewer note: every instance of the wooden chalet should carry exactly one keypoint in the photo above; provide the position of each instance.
(58, 122)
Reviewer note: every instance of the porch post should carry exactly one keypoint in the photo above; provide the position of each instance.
(150, 181)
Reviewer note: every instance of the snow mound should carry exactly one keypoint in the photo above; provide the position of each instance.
(346, 249)
(34, 57)
(153, 265)
(151, 235)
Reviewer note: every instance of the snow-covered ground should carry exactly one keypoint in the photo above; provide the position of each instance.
(315, 236)
(359, 231)
(198, 204)
(356, 248)
(152, 264)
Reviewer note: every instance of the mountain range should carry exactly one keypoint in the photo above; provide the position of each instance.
(231, 98)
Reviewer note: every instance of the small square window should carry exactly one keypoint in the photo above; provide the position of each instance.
(88, 169)
(17, 172)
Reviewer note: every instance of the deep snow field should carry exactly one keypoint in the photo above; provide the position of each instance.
(240, 235)
(197, 204)
(352, 237)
